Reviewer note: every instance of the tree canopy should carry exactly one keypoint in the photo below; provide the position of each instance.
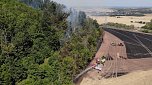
(148, 27)
(32, 46)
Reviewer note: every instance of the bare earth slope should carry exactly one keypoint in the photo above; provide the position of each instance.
(135, 78)
(117, 65)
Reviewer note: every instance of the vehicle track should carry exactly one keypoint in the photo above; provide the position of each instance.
(115, 64)
(145, 38)
(107, 66)
(140, 42)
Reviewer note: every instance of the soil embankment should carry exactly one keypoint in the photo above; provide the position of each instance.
(112, 51)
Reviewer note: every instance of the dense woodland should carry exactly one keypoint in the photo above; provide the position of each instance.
(34, 47)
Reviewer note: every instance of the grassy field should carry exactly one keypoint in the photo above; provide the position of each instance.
(128, 20)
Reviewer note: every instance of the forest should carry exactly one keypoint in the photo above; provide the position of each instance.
(40, 44)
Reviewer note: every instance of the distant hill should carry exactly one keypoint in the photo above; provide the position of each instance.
(116, 11)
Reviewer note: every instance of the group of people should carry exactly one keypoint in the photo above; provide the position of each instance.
(100, 63)
(101, 60)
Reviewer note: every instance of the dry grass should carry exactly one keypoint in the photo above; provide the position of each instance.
(124, 19)
(135, 78)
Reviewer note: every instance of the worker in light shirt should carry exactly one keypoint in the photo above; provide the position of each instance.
(103, 60)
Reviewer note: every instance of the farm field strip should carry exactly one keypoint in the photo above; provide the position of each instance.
(136, 43)
(123, 19)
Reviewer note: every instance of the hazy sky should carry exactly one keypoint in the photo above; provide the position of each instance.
(111, 3)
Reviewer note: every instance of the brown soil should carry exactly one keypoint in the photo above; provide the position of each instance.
(112, 51)
(135, 78)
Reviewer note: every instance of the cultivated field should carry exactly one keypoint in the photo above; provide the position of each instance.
(138, 45)
(124, 19)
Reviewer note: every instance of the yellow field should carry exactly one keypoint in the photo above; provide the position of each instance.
(135, 78)
(124, 19)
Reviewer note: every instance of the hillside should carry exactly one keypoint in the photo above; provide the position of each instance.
(135, 78)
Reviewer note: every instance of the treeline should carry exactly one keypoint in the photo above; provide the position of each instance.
(34, 49)
(147, 28)
(120, 26)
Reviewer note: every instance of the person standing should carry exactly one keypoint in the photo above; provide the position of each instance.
(103, 60)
